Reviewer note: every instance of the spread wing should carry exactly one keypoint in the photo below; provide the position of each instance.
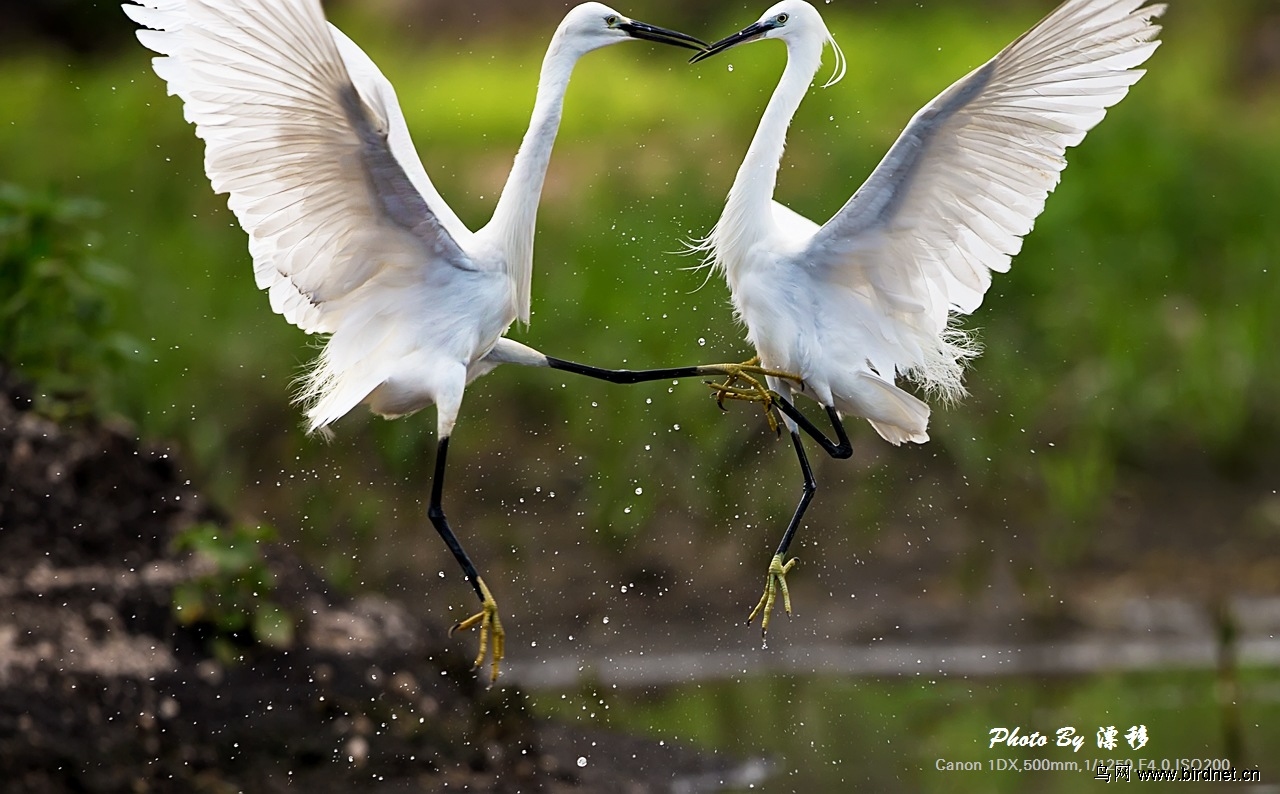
(965, 181)
(305, 134)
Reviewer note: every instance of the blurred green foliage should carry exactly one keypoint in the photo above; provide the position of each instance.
(1136, 326)
(235, 596)
(56, 323)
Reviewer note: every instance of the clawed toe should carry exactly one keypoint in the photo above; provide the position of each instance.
(744, 382)
(775, 580)
(491, 631)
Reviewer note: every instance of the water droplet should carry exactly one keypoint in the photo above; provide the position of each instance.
(582, 761)
(702, 342)
(731, 67)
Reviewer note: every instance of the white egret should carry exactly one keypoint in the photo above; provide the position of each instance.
(869, 296)
(347, 233)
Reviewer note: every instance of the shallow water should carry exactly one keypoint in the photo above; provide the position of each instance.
(907, 718)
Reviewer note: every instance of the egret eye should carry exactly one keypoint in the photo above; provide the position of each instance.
(611, 20)
(781, 19)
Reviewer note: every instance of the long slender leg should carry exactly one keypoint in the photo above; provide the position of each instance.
(668, 373)
(780, 566)
(509, 351)
(487, 617)
(755, 390)
(621, 375)
(806, 496)
(776, 578)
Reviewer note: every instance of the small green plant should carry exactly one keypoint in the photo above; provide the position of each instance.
(235, 596)
(55, 316)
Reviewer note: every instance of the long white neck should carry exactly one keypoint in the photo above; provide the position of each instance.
(516, 214)
(747, 215)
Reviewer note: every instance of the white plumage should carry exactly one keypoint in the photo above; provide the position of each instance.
(869, 296)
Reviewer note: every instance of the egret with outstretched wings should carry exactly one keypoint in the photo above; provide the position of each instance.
(869, 297)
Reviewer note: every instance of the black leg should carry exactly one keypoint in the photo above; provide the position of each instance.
(623, 375)
(810, 487)
(750, 372)
(779, 566)
(487, 618)
(842, 450)
(436, 513)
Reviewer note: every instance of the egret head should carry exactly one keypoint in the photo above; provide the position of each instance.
(593, 25)
(793, 21)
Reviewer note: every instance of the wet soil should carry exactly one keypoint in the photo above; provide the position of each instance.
(105, 687)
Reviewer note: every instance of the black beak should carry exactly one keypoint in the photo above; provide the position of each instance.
(641, 30)
(749, 33)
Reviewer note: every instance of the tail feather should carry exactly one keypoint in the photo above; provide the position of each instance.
(895, 414)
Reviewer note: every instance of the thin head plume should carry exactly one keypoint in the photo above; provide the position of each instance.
(841, 62)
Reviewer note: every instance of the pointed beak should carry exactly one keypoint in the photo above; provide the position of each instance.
(749, 33)
(647, 32)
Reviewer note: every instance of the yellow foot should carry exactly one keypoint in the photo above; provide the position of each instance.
(490, 629)
(774, 581)
(752, 389)
(726, 391)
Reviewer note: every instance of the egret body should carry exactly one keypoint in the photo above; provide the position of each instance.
(869, 297)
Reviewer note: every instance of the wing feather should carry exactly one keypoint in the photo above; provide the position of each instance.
(965, 181)
(305, 134)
